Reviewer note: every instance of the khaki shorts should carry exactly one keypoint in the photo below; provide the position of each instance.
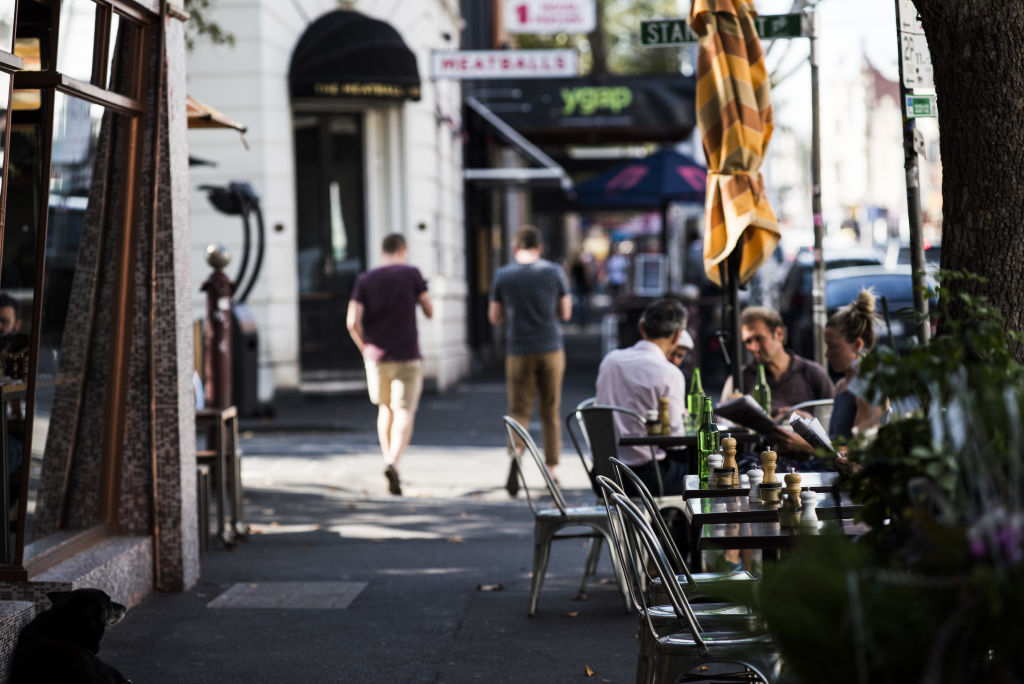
(397, 384)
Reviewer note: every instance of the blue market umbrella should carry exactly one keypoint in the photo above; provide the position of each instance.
(648, 183)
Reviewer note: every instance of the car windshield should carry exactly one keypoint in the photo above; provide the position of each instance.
(895, 287)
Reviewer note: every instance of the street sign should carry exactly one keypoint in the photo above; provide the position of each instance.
(460, 64)
(917, 61)
(782, 25)
(909, 19)
(550, 16)
(666, 32)
(769, 26)
(921, 106)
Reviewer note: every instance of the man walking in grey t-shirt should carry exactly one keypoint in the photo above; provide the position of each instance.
(530, 295)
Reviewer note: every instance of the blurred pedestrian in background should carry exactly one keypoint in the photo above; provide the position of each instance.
(531, 296)
(381, 319)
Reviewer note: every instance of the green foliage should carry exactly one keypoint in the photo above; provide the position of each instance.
(201, 26)
(933, 591)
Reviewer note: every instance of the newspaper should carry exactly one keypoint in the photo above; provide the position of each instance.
(747, 412)
(813, 433)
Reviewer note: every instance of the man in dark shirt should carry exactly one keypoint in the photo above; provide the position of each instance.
(791, 378)
(531, 295)
(382, 321)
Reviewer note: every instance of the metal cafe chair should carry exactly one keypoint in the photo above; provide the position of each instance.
(698, 651)
(722, 616)
(680, 570)
(548, 522)
(576, 417)
(596, 423)
(819, 408)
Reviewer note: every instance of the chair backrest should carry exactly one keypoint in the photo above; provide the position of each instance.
(519, 440)
(819, 408)
(574, 426)
(645, 544)
(604, 438)
(623, 473)
(620, 546)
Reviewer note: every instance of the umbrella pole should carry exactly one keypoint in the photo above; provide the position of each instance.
(734, 314)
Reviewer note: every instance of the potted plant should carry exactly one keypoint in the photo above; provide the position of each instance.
(934, 592)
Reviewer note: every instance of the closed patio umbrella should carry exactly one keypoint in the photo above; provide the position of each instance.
(734, 113)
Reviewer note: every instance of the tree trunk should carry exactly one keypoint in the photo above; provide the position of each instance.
(979, 81)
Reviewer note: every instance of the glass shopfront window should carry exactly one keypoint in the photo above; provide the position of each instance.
(75, 38)
(69, 164)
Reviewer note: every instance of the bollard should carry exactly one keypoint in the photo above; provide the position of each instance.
(217, 328)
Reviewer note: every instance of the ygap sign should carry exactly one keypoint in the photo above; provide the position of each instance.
(594, 109)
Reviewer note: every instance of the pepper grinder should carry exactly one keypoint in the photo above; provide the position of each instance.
(789, 513)
(768, 464)
(755, 476)
(729, 454)
(793, 479)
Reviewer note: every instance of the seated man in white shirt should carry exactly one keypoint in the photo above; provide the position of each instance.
(636, 377)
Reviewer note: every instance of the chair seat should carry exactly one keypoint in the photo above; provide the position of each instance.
(701, 610)
(581, 513)
(685, 643)
(700, 577)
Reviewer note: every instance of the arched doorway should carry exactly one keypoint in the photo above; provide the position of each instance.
(345, 65)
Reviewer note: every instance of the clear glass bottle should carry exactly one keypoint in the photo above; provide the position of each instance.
(762, 392)
(694, 402)
(707, 440)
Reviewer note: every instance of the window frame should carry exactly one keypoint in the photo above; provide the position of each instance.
(145, 15)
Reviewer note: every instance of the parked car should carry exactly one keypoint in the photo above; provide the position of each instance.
(842, 285)
(795, 293)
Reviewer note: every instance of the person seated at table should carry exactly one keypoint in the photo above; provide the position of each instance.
(636, 377)
(684, 347)
(849, 334)
(791, 378)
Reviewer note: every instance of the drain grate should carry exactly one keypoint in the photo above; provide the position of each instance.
(289, 595)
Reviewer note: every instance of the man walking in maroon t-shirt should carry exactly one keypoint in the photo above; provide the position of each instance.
(382, 321)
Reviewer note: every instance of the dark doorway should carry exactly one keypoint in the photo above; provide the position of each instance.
(331, 238)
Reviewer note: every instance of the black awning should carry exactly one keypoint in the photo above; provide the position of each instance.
(345, 54)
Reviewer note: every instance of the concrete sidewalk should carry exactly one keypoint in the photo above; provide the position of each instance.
(341, 583)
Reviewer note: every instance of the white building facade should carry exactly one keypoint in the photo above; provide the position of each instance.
(345, 145)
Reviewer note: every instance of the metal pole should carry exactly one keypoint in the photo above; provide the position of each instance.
(818, 273)
(910, 151)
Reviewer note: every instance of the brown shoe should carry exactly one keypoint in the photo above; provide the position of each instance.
(394, 484)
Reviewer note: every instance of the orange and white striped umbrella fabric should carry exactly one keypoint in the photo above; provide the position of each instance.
(734, 113)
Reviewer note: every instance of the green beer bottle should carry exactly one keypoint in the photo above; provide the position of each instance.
(707, 440)
(694, 402)
(762, 392)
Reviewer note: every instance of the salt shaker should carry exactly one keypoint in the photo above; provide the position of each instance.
(809, 516)
(755, 476)
(715, 460)
(653, 426)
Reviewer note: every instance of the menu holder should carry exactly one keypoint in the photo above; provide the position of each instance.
(813, 433)
(747, 412)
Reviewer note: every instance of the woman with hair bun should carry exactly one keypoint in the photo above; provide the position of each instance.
(850, 333)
